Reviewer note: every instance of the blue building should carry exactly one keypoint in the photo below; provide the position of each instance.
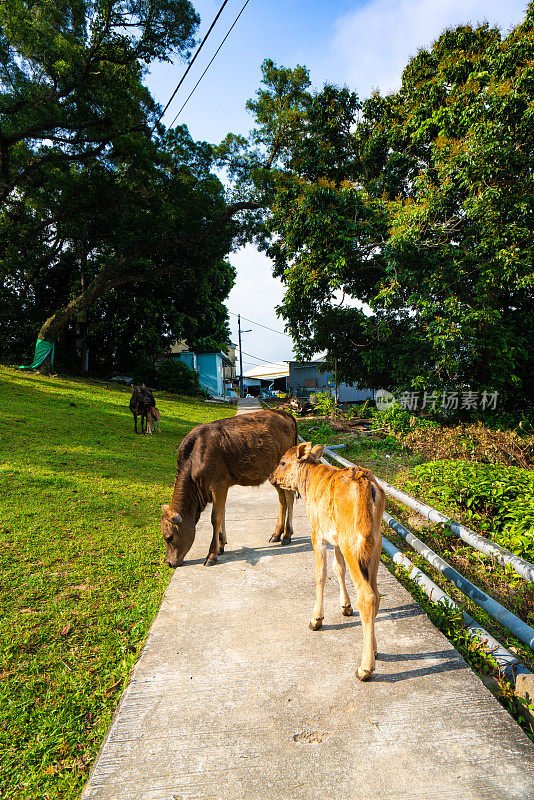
(210, 367)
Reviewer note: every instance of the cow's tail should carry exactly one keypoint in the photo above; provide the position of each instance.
(366, 509)
(296, 430)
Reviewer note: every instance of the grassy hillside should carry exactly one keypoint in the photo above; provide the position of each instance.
(82, 570)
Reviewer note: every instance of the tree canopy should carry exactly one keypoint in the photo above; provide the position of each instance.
(402, 225)
(101, 208)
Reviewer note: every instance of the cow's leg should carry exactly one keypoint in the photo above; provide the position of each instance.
(288, 526)
(319, 551)
(367, 606)
(217, 520)
(374, 585)
(340, 569)
(135, 421)
(222, 535)
(282, 508)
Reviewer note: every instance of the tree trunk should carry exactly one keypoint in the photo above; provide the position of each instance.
(108, 278)
(98, 287)
(46, 367)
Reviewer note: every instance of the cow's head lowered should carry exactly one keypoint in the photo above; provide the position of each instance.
(179, 534)
(286, 474)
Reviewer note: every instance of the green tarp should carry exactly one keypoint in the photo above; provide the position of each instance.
(42, 349)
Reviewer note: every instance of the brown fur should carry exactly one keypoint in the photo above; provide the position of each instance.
(241, 450)
(345, 507)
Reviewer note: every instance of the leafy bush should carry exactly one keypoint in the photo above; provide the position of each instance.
(361, 410)
(325, 403)
(170, 375)
(498, 500)
(399, 420)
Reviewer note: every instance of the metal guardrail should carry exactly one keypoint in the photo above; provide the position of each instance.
(507, 662)
(523, 568)
(483, 600)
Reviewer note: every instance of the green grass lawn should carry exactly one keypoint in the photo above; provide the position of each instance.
(82, 569)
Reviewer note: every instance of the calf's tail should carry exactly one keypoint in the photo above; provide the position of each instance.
(368, 504)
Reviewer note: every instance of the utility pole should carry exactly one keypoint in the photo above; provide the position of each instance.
(240, 357)
(240, 354)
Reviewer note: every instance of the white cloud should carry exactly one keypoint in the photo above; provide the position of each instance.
(375, 41)
(255, 295)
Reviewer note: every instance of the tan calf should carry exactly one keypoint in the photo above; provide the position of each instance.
(345, 507)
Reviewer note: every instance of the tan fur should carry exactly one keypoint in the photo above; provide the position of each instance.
(342, 511)
(152, 419)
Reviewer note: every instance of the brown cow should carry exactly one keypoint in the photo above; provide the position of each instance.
(241, 450)
(345, 507)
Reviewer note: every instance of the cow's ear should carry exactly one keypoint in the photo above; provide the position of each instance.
(318, 451)
(303, 450)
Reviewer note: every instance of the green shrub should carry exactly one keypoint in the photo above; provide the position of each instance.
(362, 411)
(498, 500)
(170, 375)
(325, 403)
(400, 420)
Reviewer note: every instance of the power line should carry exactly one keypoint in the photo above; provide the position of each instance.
(260, 324)
(197, 51)
(210, 63)
(263, 360)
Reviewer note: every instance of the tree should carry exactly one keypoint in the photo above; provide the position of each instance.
(418, 207)
(96, 197)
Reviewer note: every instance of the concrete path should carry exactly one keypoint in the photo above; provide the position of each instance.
(234, 697)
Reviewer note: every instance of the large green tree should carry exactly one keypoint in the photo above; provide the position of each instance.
(416, 207)
(101, 208)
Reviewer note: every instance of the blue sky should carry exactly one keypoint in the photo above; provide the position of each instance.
(361, 43)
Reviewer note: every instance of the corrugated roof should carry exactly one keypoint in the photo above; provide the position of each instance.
(268, 372)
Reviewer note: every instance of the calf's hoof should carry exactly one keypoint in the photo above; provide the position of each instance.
(364, 674)
(286, 540)
(316, 624)
(210, 560)
(347, 610)
(275, 537)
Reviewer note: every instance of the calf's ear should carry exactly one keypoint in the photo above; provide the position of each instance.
(303, 450)
(318, 451)
(164, 509)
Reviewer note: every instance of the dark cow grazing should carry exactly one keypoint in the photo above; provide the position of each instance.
(241, 450)
(141, 401)
(345, 508)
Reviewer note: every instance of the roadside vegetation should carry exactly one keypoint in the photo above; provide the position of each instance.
(82, 569)
(469, 471)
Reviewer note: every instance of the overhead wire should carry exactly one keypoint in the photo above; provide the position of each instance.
(210, 63)
(263, 360)
(197, 51)
(259, 324)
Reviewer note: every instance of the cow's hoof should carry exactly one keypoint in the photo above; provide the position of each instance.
(221, 549)
(286, 540)
(316, 624)
(347, 610)
(210, 560)
(364, 674)
(275, 537)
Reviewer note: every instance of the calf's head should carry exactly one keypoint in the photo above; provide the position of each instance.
(179, 534)
(286, 474)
